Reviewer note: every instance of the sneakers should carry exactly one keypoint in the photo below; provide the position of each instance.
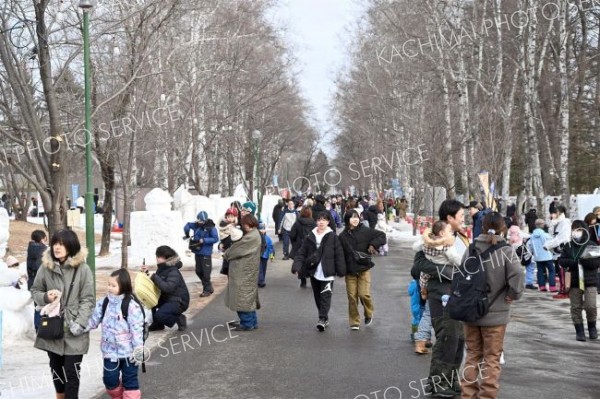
(205, 294)
(420, 348)
(239, 327)
(285, 258)
(368, 321)
(262, 285)
(530, 287)
(233, 323)
(543, 289)
(445, 393)
(560, 296)
(553, 289)
(182, 323)
(322, 325)
(355, 327)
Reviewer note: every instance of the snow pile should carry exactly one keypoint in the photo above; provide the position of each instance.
(156, 226)
(402, 232)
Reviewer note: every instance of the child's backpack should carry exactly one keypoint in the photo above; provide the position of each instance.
(125, 311)
(524, 254)
(469, 296)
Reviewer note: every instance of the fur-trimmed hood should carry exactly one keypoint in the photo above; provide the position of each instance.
(431, 241)
(73, 261)
(172, 261)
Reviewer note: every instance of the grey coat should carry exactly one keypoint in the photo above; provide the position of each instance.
(505, 278)
(51, 275)
(242, 287)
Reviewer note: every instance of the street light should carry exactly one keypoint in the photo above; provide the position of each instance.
(256, 135)
(86, 6)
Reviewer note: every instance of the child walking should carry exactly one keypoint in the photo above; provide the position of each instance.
(122, 337)
(268, 253)
(384, 227)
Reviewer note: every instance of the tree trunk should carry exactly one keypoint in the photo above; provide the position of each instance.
(563, 131)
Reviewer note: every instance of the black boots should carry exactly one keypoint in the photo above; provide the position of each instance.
(592, 330)
(580, 332)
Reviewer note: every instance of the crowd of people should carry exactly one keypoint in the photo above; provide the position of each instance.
(565, 253)
(324, 238)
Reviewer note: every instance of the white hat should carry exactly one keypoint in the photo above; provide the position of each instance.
(236, 234)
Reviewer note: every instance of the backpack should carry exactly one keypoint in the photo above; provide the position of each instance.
(524, 254)
(468, 299)
(125, 311)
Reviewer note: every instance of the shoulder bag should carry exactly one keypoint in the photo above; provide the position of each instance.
(53, 328)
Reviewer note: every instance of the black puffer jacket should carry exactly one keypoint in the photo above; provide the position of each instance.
(370, 215)
(170, 281)
(359, 239)
(300, 230)
(34, 260)
(571, 256)
(332, 261)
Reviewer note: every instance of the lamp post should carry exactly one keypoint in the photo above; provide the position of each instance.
(256, 134)
(86, 7)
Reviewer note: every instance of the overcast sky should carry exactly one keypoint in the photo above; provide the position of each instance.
(317, 32)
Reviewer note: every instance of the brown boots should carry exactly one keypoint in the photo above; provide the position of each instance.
(421, 347)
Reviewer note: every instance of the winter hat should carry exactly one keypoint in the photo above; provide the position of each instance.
(202, 216)
(261, 225)
(596, 209)
(540, 222)
(236, 234)
(232, 211)
(11, 261)
(320, 198)
(249, 207)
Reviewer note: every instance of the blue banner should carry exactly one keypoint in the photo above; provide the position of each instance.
(275, 182)
(74, 193)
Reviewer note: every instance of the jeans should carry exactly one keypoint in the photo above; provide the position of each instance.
(583, 300)
(424, 332)
(542, 268)
(322, 291)
(358, 287)
(123, 368)
(447, 352)
(65, 374)
(203, 270)
(286, 242)
(248, 319)
(482, 365)
(166, 314)
(529, 274)
(262, 271)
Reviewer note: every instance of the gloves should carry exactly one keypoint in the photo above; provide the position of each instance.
(372, 250)
(77, 329)
(272, 257)
(137, 357)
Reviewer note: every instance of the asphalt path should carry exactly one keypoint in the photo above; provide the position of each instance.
(288, 358)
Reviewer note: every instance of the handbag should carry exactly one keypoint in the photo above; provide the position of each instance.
(362, 258)
(53, 328)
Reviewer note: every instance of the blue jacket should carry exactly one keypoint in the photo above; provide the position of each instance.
(269, 249)
(414, 290)
(536, 245)
(207, 233)
(478, 222)
(336, 218)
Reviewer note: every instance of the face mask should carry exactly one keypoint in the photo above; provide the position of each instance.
(576, 235)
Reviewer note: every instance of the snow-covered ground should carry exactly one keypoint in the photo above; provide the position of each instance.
(403, 233)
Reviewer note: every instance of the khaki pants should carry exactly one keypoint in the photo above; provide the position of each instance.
(359, 287)
(583, 300)
(482, 365)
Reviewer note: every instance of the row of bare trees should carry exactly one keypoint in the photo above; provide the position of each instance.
(178, 88)
(507, 86)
